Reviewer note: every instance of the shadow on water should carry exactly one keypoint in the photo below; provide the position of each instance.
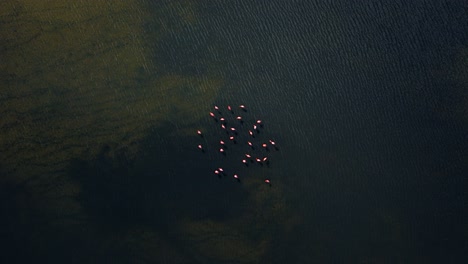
(164, 183)
(14, 198)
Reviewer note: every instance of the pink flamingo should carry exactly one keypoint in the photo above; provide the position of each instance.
(273, 144)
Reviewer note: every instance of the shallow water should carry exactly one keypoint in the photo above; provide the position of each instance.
(101, 104)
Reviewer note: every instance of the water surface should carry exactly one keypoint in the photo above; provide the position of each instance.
(100, 105)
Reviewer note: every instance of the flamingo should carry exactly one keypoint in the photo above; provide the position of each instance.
(236, 177)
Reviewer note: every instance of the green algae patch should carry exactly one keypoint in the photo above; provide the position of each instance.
(221, 242)
(144, 244)
(80, 77)
(247, 238)
(77, 76)
(186, 94)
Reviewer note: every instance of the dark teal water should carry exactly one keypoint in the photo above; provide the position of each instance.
(368, 104)
(372, 122)
(362, 97)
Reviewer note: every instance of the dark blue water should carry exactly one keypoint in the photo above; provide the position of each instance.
(368, 105)
(364, 99)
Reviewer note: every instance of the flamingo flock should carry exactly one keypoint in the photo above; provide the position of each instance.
(242, 133)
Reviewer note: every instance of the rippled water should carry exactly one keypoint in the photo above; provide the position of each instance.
(367, 102)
